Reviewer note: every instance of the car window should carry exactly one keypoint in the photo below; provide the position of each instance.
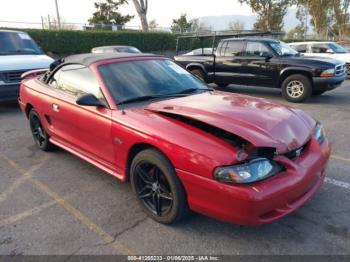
(128, 50)
(320, 48)
(223, 48)
(158, 77)
(18, 43)
(234, 48)
(300, 48)
(76, 80)
(256, 49)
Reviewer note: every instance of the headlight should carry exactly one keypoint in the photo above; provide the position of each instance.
(319, 133)
(328, 73)
(255, 170)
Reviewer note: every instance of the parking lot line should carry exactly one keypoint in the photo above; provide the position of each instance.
(337, 183)
(27, 213)
(340, 158)
(21, 180)
(108, 239)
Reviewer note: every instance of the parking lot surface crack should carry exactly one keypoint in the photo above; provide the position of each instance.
(138, 222)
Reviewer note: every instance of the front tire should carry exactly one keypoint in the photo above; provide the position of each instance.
(318, 92)
(40, 136)
(296, 88)
(157, 187)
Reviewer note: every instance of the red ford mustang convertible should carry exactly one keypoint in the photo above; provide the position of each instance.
(182, 145)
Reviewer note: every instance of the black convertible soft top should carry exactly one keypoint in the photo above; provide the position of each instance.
(90, 58)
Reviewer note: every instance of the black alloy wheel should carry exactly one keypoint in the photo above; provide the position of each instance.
(39, 134)
(157, 187)
(153, 188)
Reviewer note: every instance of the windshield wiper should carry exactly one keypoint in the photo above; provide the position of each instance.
(191, 90)
(147, 97)
(150, 97)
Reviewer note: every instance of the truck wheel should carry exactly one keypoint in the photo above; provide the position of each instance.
(296, 88)
(198, 73)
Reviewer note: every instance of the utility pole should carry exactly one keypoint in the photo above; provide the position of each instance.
(58, 15)
(49, 21)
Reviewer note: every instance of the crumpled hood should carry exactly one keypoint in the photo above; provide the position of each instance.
(261, 122)
(24, 62)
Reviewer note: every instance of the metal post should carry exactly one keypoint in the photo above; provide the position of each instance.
(58, 15)
(42, 23)
(214, 39)
(177, 45)
(48, 21)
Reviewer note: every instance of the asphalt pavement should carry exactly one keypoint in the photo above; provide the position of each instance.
(56, 203)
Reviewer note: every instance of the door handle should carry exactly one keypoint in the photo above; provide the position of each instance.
(55, 107)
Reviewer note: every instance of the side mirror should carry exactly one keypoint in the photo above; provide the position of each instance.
(329, 51)
(89, 100)
(267, 56)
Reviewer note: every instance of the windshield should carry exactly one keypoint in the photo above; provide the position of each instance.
(128, 50)
(17, 43)
(128, 81)
(337, 48)
(283, 49)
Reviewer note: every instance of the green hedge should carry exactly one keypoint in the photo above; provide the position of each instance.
(73, 42)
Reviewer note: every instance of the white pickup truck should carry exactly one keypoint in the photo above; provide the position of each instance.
(18, 54)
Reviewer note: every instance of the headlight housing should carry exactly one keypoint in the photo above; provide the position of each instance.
(328, 73)
(253, 171)
(319, 133)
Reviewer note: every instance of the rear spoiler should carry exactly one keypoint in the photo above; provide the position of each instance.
(33, 73)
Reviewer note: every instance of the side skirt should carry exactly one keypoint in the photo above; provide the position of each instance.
(88, 159)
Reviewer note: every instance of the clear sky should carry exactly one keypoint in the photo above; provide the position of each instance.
(80, 10)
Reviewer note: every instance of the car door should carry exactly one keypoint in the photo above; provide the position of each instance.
(228, 62)
(85, 129)
(260, 65)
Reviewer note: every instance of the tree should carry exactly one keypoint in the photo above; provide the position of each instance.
(236, 25)
(340, 16)
(141, 9)
(302, 15)
(270, 13)
(181, 24)
(153, 25)
(297, 33)
(327, 16)
(107, 13)
(199, 27)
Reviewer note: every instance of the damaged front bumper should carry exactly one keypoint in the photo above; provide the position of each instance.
(265, 201)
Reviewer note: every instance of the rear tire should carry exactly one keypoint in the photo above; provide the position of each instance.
(296, 88)
(157, 187)
(40, 136)
(199, 74)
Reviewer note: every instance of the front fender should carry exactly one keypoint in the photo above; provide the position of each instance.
(296, 69)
